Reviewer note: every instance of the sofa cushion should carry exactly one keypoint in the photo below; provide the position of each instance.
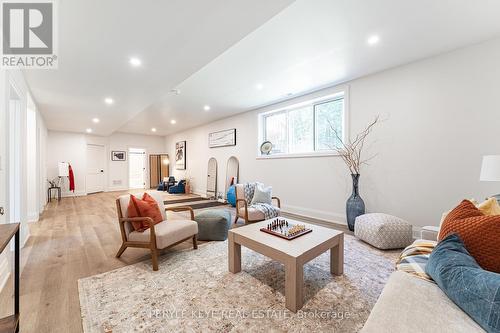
(489, 207)
(473, 289)
(410, 304)
(262, 194)
(145, 207)
(480, 233)
(167, 232)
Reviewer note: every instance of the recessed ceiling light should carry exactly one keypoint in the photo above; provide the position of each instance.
(136, 62)
(175, 91)
(89, 130)
(206, 108)
(173, 122)
(108, 100)
(153, 129)
(95, 120)
(259, 86)
(372, 40)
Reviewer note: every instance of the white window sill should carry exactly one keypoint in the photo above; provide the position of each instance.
(299, 155)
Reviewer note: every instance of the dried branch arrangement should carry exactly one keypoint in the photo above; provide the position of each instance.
(351, 151)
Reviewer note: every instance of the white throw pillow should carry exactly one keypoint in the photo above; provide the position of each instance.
(262, 195)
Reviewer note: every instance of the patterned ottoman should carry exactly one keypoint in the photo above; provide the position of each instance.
(383, 231)
(213, 224)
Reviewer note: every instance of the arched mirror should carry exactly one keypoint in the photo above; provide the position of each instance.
(232, 171)
(212, 178)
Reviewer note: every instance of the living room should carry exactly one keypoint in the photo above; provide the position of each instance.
(251, 166)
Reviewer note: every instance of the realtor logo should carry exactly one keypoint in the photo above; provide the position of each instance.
(28, 34)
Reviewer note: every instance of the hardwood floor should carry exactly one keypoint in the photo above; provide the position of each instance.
(74, 238)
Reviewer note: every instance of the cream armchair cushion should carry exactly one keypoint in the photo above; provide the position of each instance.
(167, 232)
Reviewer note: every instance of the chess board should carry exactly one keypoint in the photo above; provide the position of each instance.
(280, 227)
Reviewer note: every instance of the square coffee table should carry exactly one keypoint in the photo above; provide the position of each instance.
(292, 253)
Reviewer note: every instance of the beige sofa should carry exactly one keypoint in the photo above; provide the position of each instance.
(411, 304)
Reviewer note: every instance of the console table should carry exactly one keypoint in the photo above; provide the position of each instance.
(7, 231)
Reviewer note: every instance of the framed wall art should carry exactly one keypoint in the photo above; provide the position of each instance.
(180, 155)
(118, 155)
(222, 138)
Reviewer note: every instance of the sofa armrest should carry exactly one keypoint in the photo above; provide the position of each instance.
(149, 221)
(430, 233)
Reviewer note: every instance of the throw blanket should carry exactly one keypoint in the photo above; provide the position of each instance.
(414, 258)
(268, 210)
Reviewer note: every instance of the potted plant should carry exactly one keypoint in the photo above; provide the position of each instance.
(351, 151)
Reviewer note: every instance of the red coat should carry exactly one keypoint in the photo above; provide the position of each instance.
(71, 177)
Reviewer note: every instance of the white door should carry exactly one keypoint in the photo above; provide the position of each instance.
(95, 168)
(137, 168)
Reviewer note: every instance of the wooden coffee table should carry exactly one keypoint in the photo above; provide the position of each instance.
(292, 253)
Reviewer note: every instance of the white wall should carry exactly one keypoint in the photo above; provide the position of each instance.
(441, 115)
(29, 184)
(72, 148)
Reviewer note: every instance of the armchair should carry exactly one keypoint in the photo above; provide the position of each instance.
(160, 236)
(245, 210)
(179, 188)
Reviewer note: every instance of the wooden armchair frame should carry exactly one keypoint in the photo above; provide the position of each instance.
(152, 242)
(245, 204)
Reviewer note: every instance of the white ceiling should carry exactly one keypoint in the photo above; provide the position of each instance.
(216, 52)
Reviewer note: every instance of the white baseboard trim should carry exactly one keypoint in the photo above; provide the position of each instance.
(331, 217)
(117, 188)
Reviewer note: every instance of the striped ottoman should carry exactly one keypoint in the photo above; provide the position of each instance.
(383, 231)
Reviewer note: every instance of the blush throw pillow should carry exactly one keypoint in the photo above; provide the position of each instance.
(147, 207)
(475, 290)
(480, 233)
(262, 195)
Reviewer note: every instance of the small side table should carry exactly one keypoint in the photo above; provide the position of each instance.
(49, 193)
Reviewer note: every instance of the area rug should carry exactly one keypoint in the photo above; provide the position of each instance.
(193, 291)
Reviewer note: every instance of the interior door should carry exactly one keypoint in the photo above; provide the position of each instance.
(212, 178)
(95, 168)
(137, 168)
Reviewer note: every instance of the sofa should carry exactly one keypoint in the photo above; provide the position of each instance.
(411, 304)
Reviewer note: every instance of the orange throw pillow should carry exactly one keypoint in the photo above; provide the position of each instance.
(147, 207)
(480, 233)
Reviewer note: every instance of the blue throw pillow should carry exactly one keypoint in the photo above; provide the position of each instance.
(475, 290)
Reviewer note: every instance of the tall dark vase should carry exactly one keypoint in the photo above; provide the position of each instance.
(355, 206)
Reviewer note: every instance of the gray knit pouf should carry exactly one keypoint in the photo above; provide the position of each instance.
(383, 231)
(213, 224)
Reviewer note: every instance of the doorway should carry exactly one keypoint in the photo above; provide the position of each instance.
(95, 168)
(137, 168)
(14, 161)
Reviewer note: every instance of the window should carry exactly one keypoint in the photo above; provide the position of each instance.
(305, 128)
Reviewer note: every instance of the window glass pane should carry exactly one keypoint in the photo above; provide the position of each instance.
(329, 115)
(300, 130)
(276, 132)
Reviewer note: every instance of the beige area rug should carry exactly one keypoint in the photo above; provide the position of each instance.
(194, 292)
